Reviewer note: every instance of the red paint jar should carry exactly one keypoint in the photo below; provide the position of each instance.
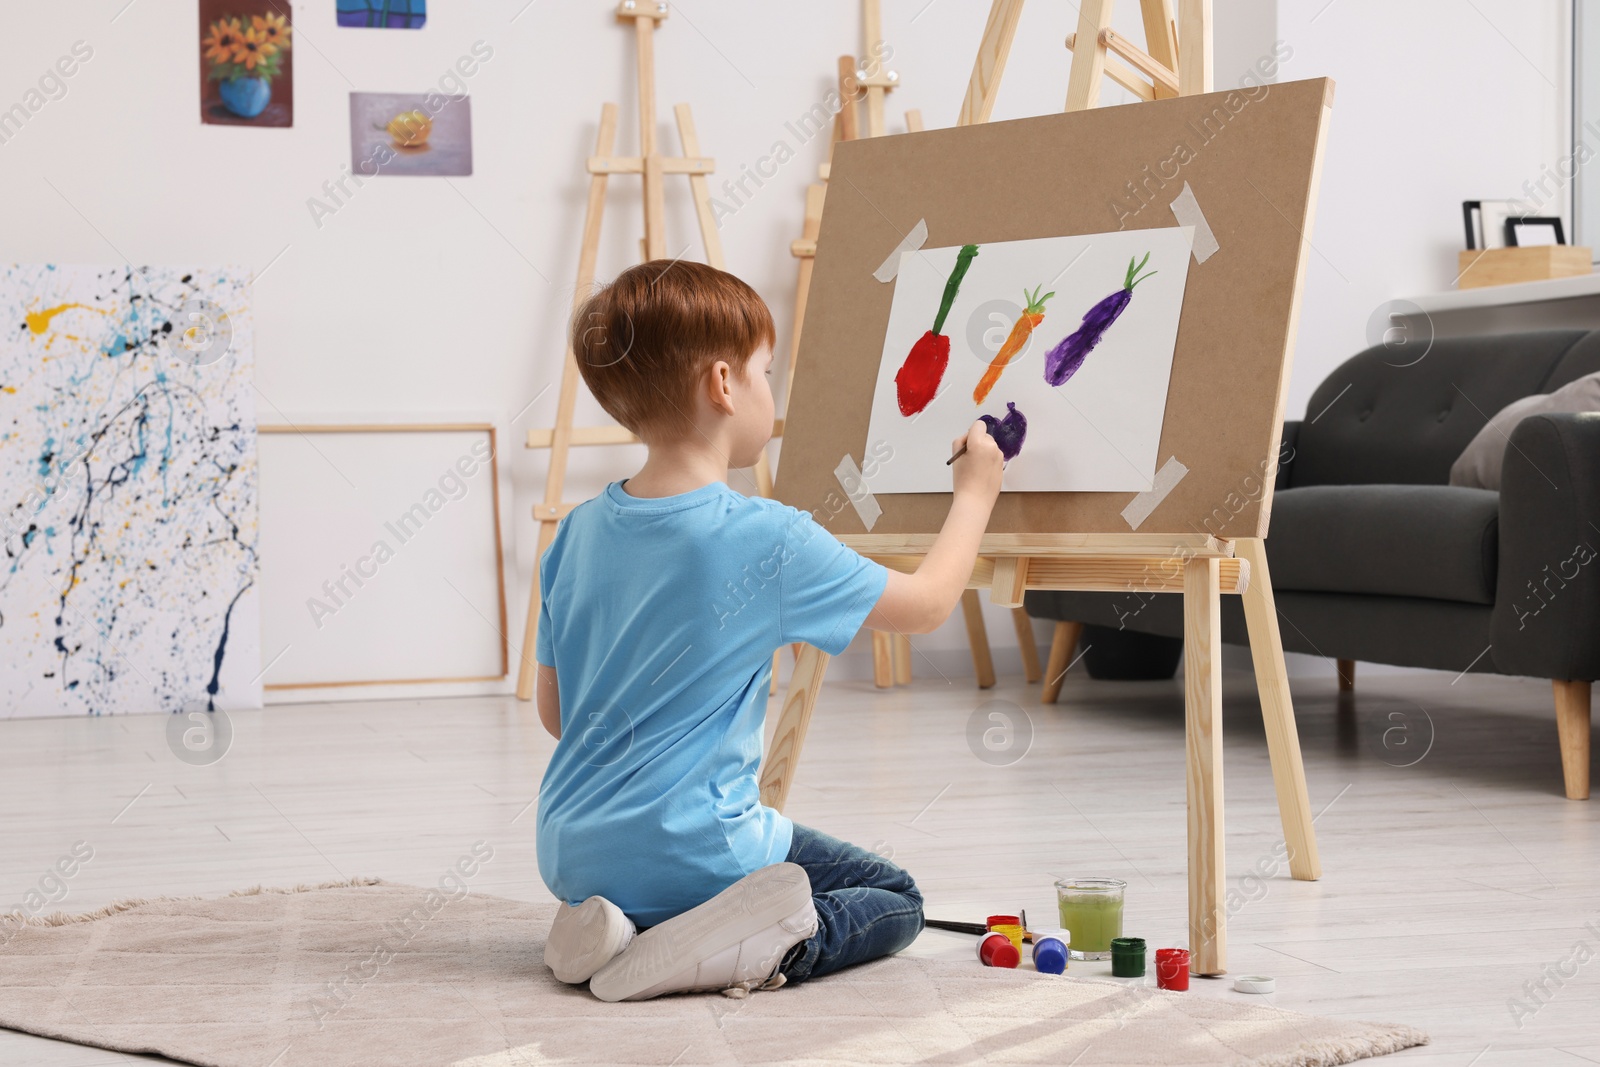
(1172, 968)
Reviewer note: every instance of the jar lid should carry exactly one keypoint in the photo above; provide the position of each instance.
(1050, 956)
(1127, 944)
(996, 950)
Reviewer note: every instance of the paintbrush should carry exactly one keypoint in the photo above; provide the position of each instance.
(968, 928)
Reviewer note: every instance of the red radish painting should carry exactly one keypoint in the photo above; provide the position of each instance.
(1021, 331)
(1063, 361)
(918, 378)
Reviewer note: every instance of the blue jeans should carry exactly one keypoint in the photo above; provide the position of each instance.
(866, 906)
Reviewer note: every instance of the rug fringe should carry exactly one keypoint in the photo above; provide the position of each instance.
(61, 918)
(1347, 1050)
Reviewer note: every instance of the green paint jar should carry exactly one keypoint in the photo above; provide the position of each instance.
(1127, 957)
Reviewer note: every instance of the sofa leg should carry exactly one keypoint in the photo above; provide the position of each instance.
(1062, 645)
(1572, 727)
(1347, 674)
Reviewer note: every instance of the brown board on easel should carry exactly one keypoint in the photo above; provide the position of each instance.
(1251, 157)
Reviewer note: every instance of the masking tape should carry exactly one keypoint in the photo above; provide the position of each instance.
(1140, 507)
(1186, 209)
(855, 487)
(912, 241)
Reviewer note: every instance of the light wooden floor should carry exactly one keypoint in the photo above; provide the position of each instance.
(1449, 882)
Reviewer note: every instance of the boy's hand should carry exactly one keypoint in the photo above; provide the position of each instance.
(977, 473)
(916, 603)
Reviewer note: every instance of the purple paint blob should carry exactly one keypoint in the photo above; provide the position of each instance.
(1009, 432)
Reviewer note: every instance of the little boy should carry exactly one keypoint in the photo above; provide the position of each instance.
(662, 601)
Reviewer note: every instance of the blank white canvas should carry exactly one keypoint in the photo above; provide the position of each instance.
(1099, 431)
(431, 610)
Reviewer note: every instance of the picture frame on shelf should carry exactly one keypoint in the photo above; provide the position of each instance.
(1532, 230)
(1472, 219)
(1492, 216)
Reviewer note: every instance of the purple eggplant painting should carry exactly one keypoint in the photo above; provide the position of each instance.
(1008, 432)
(1063, 361)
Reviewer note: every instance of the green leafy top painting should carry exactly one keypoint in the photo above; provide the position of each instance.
(246, 63)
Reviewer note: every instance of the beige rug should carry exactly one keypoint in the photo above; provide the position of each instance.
(370, 973)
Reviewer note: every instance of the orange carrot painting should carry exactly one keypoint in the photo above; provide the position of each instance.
(1021, 330)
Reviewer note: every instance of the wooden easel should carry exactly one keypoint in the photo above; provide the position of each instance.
(1200, 566)
(646, 17)
(891, 653)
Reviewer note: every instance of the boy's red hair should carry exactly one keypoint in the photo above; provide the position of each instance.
(643, 342)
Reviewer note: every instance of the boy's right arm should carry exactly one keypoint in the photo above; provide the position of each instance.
(548, 698)
(920, 602)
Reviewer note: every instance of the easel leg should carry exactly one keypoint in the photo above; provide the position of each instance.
(1063, 643)
(1025, 643)
(900, 653)
(1202, 686)
(1277, 713)
(561, 434)
(777, 770)
(882, 660)
(978, 638)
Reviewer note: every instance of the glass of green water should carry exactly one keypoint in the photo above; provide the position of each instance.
(1091, 908)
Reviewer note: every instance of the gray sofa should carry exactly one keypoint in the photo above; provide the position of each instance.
(1375, 557)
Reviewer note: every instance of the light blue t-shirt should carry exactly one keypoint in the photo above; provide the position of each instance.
(660, 617)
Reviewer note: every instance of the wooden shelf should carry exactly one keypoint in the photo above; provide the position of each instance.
(1508, 266)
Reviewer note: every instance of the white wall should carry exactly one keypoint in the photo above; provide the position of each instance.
(429, 297)
(1438, 101)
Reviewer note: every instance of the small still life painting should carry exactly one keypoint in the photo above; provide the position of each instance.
(129, 527)
(410, 133)
(1062, 346)
(383, 14)
(246, 63)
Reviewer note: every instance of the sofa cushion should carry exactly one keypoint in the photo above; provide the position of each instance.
(1431, 541)
(1404, 631)
(1386, 417)
(1479, 464)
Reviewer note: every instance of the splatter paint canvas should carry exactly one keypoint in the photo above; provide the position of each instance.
(128, 473)
(1062, 345)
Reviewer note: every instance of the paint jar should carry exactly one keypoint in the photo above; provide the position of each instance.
(1092, 909)
(1002, 920)
(1127, 957)
(996, 950)
(1172, 968)
(1050, 951)
(1011, 930)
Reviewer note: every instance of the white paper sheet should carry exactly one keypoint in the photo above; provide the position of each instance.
(1097, 432)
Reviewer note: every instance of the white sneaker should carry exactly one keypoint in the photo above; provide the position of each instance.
(586, 937)
(733, 942)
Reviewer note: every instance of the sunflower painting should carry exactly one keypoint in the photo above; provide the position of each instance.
(246, 67)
